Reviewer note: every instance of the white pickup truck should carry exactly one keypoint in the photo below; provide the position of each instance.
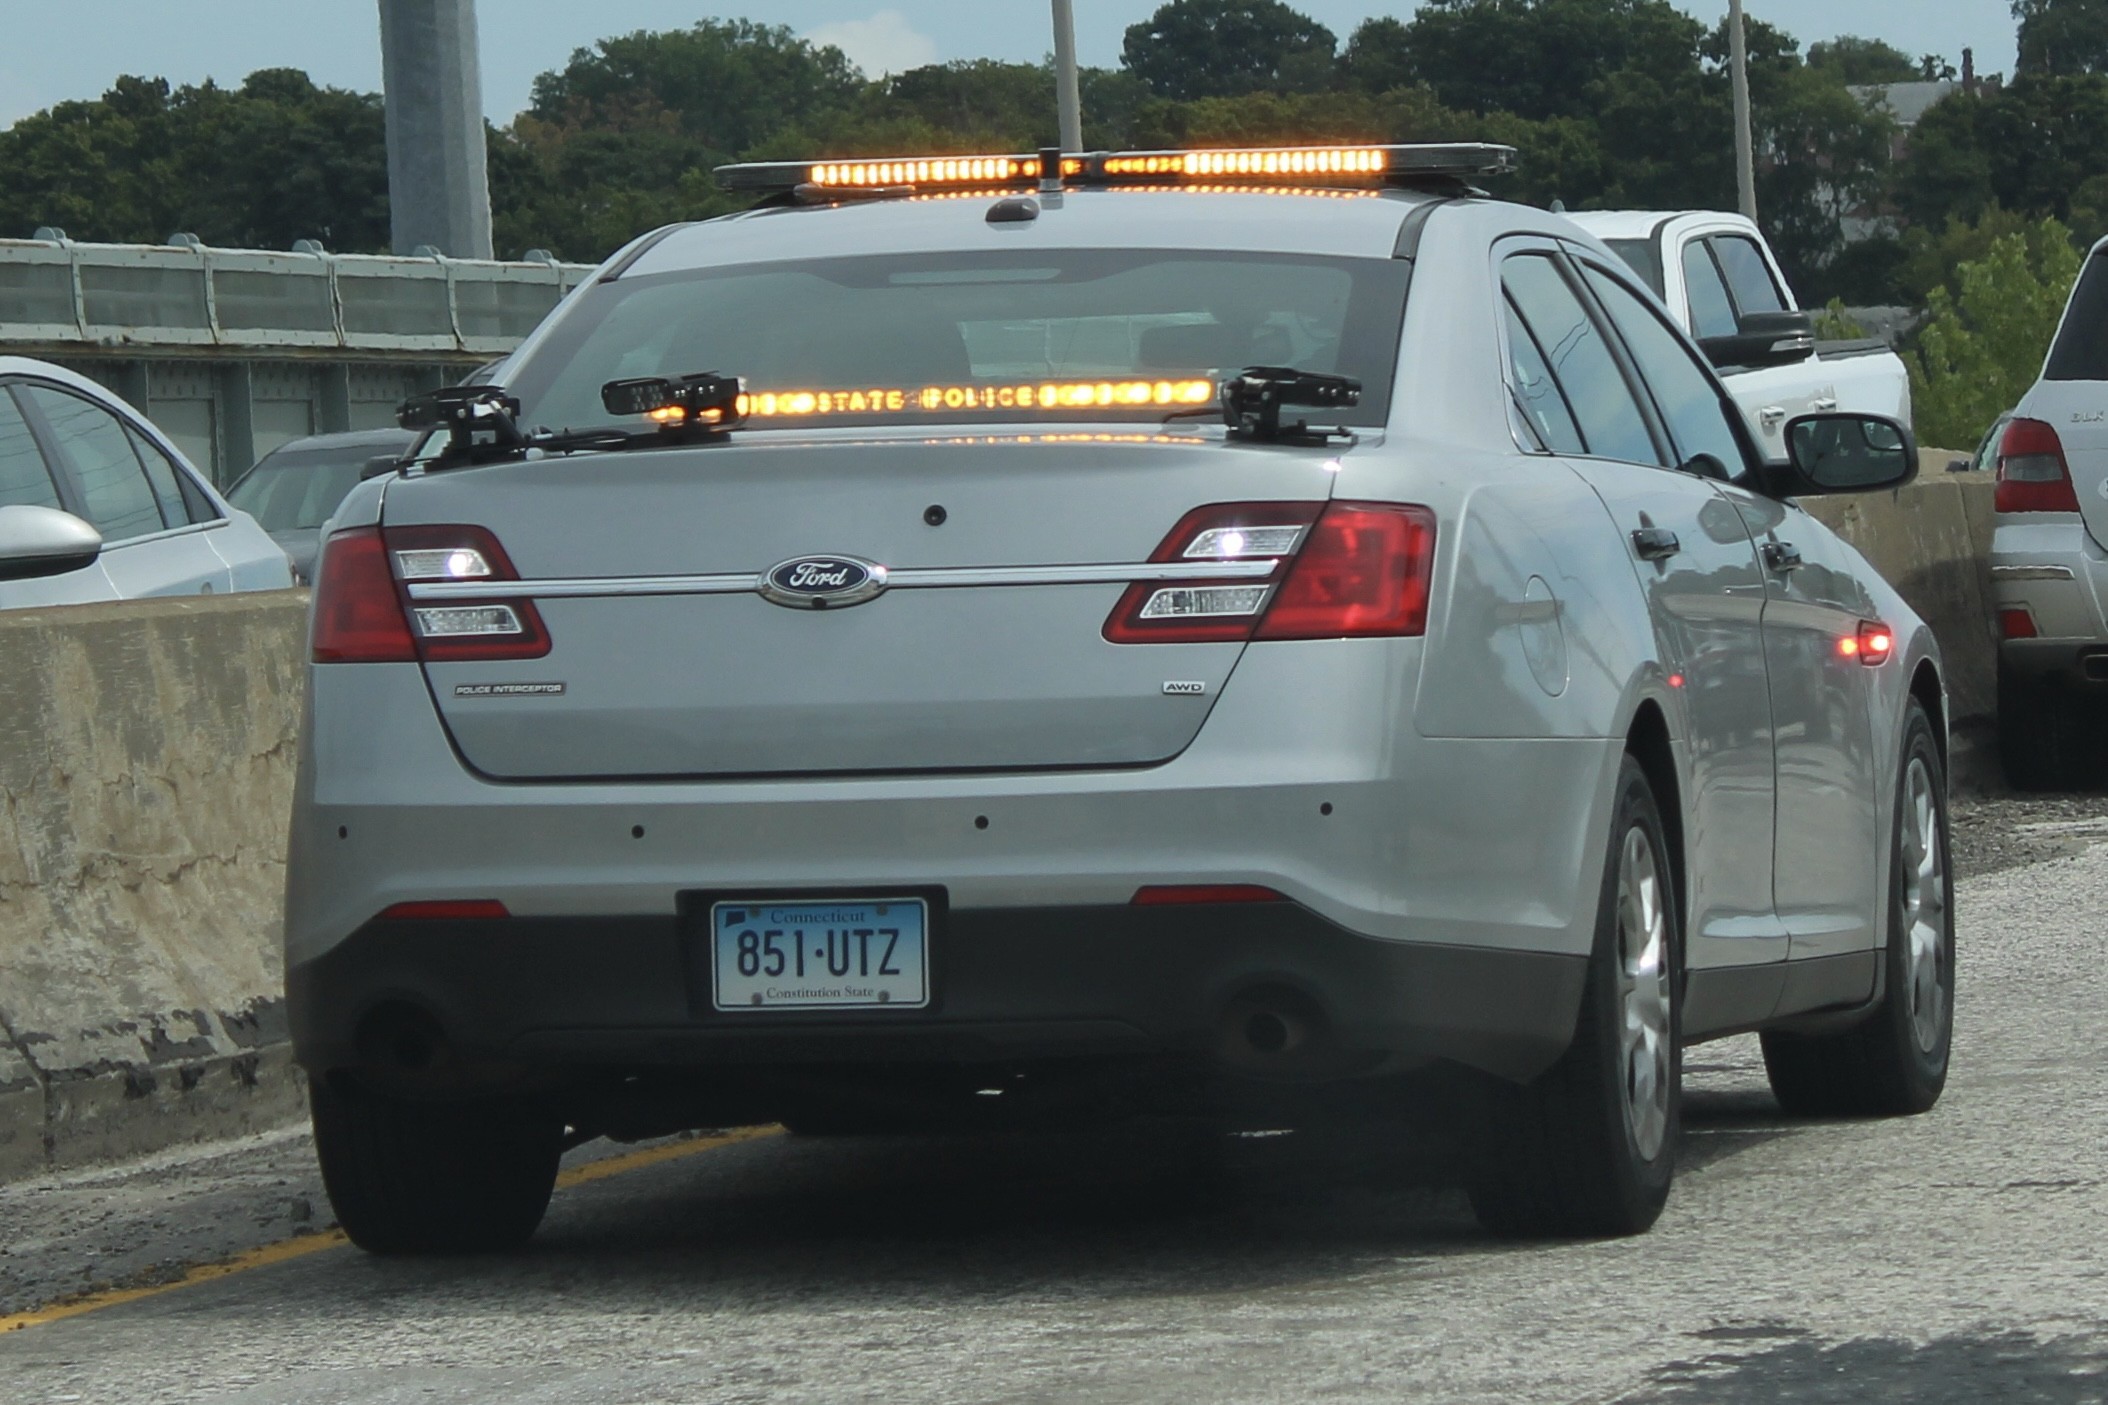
(1719, 278)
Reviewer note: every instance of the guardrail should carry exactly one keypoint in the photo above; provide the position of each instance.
(57, 295)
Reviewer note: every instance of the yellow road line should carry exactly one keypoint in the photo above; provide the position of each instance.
(297, 1248)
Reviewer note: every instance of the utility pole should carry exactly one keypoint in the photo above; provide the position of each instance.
(1745, 146)
(1066, 97)
(438, 189)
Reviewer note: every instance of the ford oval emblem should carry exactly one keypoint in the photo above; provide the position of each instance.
(820, 582)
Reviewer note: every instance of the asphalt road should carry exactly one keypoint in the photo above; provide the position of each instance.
(1960, 1256)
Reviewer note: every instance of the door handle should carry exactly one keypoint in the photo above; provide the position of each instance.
(1781, 556)
(1823, 406)
(1772, 415)
(1655, 543)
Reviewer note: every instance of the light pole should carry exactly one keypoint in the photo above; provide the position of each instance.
(1066, 99)
(1745, 147)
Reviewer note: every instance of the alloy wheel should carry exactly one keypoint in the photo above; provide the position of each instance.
(1646, 1038)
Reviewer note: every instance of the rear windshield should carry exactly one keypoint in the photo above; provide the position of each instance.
(958, 338)
(2081, 349)
(294, 492)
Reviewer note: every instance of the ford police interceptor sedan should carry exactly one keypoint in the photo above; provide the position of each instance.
(987, 641)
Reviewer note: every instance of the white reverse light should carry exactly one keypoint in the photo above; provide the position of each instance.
(454, 621)
(1222, 543)
(454, 563)
(1186, 601)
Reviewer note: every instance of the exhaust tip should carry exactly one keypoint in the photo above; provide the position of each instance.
(1273, 1029)
(403, 1038)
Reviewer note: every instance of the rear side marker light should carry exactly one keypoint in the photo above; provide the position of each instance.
(358, 615)
(2033, 475)
(1168, 895)
(1871, 645)
(470, 908)
(2017, 622)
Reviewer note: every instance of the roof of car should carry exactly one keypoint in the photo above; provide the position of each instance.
(1350, 223)
(1641, 224)
(374, 440)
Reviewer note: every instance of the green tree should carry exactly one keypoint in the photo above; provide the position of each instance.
(1223, 48)
(259, 166)
(1983, 342)
(2062, 36)
(1851, 59)
(1541, 58)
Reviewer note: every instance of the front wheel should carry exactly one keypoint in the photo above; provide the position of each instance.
(1589, 1148)
(413, 1177)
(1893, 1063)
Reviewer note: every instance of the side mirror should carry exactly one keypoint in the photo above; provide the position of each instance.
(43, 541)
(1841, 453)
(1764, 339)
(378, 465)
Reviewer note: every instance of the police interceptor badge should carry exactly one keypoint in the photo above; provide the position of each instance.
(508, 690)
(822, 582)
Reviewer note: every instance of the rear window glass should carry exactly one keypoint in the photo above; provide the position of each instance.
(1643, 258)
(295, 492)
(917, 339)
(2081, 349)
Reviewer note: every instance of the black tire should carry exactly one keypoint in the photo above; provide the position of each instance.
(2045, 739)
(1894, 1062)
(1570, 1154)
(411, 1177)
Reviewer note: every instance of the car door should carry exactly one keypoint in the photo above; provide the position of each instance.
(1824, 854)
(1731, 271)
(1698, 567)
(26, 480)
(150, 545)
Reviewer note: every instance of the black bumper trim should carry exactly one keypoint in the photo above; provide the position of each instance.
(599, 994)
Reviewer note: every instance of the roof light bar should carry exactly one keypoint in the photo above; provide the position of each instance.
(1318, 165)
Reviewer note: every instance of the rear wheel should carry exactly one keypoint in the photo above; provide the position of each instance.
(412, 1177)
(2044, 737)
(1895, 1061)
(1589, 1148)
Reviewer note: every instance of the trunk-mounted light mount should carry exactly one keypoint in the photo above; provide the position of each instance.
(482, 422)
(709, 403)
(1252, 401)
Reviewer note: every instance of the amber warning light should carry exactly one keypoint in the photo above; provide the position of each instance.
(1303, 165)
(940, 399)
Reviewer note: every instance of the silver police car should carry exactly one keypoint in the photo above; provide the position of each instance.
(991, 641)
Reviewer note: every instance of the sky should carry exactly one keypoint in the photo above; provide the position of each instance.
(46, 58)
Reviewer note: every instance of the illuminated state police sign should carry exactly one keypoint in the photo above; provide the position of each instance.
(1038, 395)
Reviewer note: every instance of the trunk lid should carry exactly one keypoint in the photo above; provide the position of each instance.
(971, 673)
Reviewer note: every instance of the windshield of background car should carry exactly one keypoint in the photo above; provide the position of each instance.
(2081, 350)
(1061, 335)
(297, 492)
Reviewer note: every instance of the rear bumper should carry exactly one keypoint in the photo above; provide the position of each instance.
(2058, 574)
(591, 996)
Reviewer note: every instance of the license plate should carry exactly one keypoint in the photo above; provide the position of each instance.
(820, 955)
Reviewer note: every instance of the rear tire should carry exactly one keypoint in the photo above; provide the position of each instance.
(1893, 1063)
(1589, 1148)
(411, 1177)
(2045, 738)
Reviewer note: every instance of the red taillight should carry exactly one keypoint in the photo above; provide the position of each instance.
(2032, 473)
(1871, 645)
(1165, 895)
(475, 908)
(1364, 572)
(368, 608)
(2017, 622)
(358, 616)
(1352, 570)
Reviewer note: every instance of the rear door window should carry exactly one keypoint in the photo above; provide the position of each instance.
(180, 499)
(1686, 396)
(1582, 363)
(1748, 275)
(120, 500)
(1537, 390)
(25, 480)
(2081, 349)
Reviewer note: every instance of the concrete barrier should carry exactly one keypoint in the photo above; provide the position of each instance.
(1932, 540)
(146, 769)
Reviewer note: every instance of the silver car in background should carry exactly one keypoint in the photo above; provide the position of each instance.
(1244, 645)
(2049, 571)
(295, 488)
(97, 504)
